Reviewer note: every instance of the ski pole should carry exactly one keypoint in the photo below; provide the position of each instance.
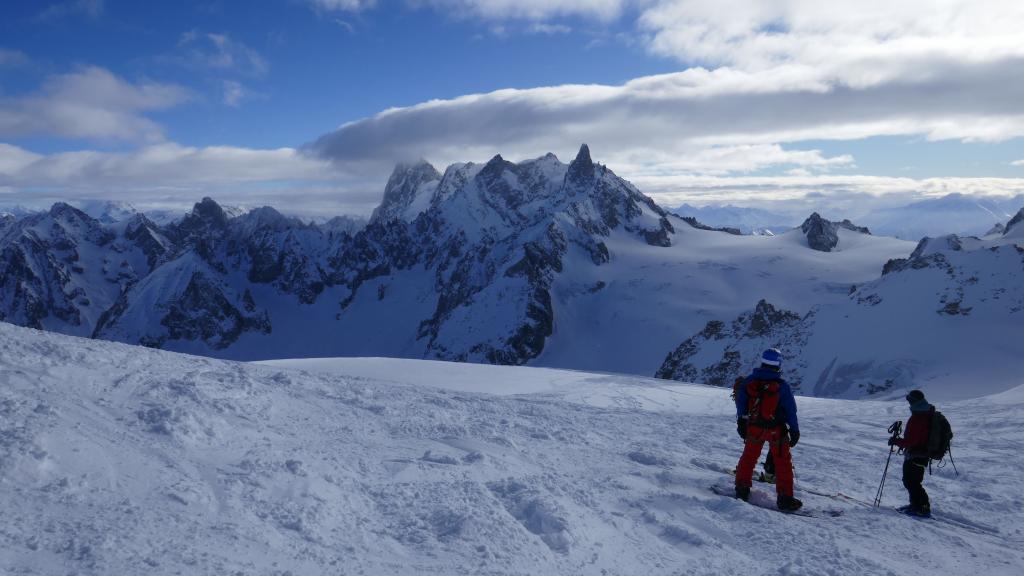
(894, 430)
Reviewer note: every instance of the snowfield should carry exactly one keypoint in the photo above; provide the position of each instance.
(117, 459)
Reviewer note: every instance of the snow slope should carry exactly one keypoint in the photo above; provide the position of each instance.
(123, 460)
(627, 314)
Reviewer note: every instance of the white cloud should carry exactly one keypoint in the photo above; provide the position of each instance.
(547, 29)
(173, 176)
(12, 58)
(91, 8)
(835, 196)
(166, 164)
(674, 114)
(532, 9)
(220, 52)
(343, 5)
(90, 103)
(755, 34)
(1017, 163)
(721, 160)
(674, 189)
(169, 175)
(234, 93)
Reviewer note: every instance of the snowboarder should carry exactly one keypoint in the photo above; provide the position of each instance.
(914, 445)
(764, 408)
(768, 474)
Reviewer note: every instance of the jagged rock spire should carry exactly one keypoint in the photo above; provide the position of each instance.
(581, 169)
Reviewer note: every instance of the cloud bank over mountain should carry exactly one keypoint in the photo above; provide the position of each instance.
(769, 101)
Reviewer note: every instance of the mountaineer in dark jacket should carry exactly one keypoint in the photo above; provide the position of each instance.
(765, 407)
(914, 445)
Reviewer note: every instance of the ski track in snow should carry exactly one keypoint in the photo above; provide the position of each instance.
(124, 460)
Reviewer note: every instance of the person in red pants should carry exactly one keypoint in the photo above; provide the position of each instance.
(766, 413)
(768, 475)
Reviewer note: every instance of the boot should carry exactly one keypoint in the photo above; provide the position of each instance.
(922, 510)
(743, 493)
(788, 503)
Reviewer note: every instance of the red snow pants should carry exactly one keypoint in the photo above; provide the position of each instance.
(778, 444)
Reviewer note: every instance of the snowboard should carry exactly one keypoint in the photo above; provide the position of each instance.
(767, 501)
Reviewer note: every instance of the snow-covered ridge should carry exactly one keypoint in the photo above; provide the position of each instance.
(116, 459)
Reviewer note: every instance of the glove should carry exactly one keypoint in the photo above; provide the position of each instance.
(794, 437)
(893, 440)
(741, 427)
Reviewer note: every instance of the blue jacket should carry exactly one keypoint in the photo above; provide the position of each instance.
(786, 411)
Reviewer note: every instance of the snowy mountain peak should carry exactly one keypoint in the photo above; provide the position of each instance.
(407, 192)
(349, 225)
(73, 222)
(949, 242)
(493, 169)
(109, 211)
(65, 211)
(1014, 226)
(208, 211)
(998, 229)
(266, 217)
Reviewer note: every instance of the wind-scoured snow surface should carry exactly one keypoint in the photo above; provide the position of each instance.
(124, 460)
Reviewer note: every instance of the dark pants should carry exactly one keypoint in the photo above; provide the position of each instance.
(913, 475)
(769, 464)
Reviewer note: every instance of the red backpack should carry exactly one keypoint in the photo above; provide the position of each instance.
(762, 402)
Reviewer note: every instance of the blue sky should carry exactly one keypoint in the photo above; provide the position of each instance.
(160, 103)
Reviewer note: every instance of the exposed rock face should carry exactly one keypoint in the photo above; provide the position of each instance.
(57, 270)
(147, 236)
(204, 312)
(928, 253)
(853, 227)
(720, 352)
(700, 226)
(821, 234)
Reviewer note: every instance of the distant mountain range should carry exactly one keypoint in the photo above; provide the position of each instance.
(747, 220)
(538, 262)
(953, 213)
(950, 315)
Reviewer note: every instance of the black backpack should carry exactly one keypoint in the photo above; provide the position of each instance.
(940, 434)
